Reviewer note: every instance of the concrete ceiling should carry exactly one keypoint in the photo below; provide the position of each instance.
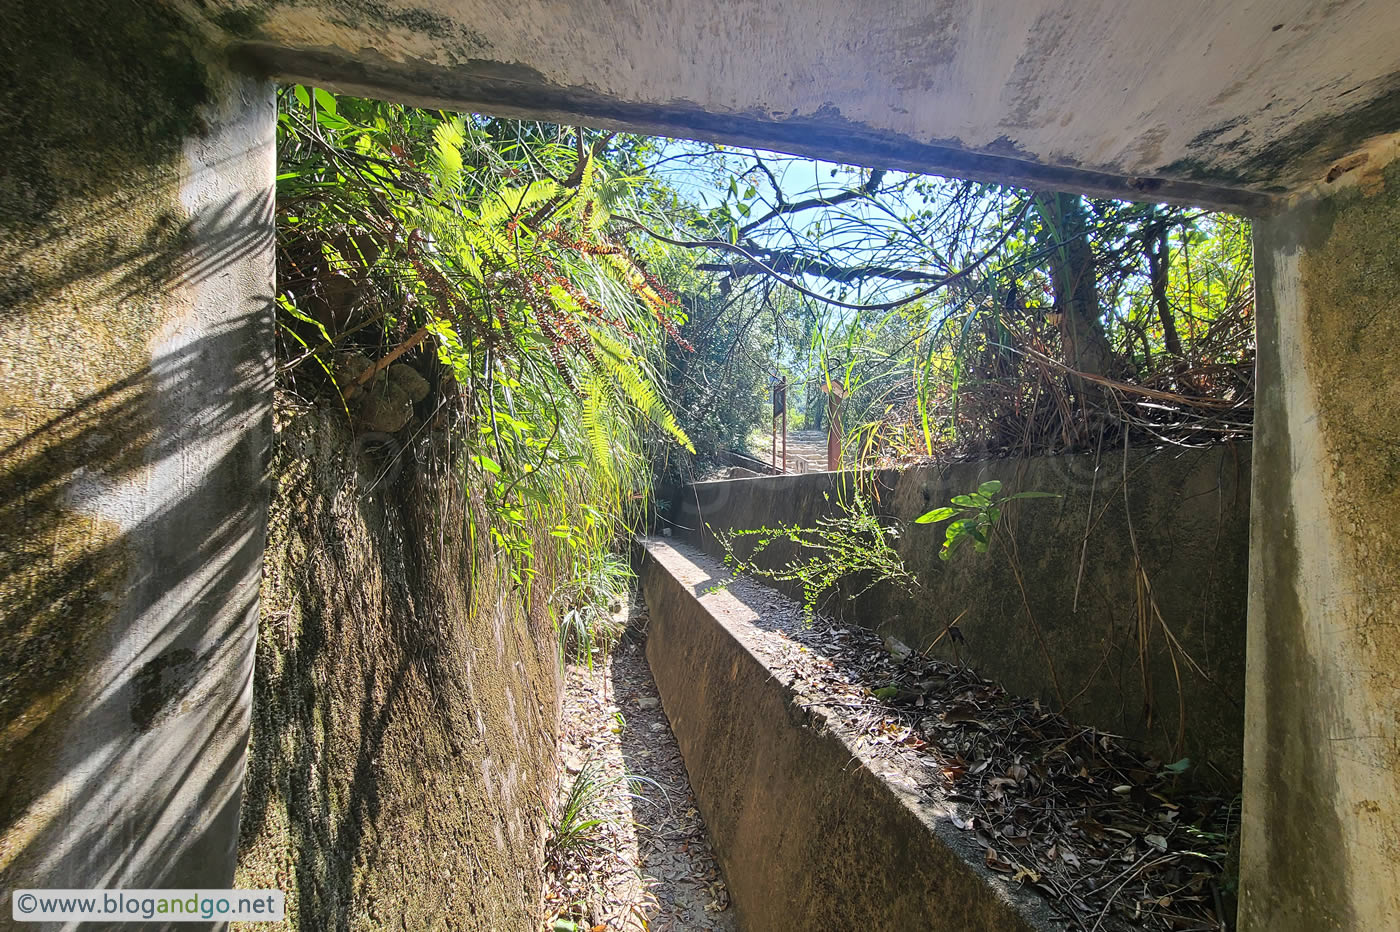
(1221, 102)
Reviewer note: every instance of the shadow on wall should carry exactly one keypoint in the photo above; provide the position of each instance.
(132, 449)
(406, 697)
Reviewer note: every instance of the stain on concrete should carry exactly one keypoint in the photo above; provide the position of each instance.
(515, 90)
(158, 684)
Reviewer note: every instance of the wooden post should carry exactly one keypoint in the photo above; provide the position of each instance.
(833, 427)
(782, 392)
(773, 451)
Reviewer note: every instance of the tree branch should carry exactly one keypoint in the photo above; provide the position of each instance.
(1011, 227)
(877, 175)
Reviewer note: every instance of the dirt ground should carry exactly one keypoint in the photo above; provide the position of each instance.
(650, 866)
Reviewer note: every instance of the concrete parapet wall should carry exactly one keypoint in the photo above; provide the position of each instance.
(1073, 598)
(809, 836)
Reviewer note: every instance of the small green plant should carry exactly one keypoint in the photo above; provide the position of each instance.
(854, 543)
(590, 623)
(857, 543)
(577, 826)
(976, 515)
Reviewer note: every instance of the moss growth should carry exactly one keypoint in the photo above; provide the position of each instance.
(386, 757)
(90, 92)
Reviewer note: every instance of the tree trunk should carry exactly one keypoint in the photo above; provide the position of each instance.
(1065, 231)
(1158, 263)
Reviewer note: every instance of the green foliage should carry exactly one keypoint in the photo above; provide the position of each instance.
(947, 311)
(479, 253)
(577, 824)
(858, 546)
(852, 545)
(590, 604)
(974, 515)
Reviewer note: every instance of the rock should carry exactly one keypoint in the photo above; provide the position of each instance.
(350, 367)
(658, 726)
(388, 402)
(897, 648)
(407, 379)
(385, 409)
(648, 702)
(573, 765)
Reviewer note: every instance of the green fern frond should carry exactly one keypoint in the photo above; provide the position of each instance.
(512, 202)
(448, 137)
(626, 370)
(595, 398)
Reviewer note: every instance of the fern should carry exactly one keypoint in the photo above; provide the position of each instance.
(596, 395)
(447, 165)
(624, 367)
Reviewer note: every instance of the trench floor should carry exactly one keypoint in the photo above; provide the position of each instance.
(648, 864)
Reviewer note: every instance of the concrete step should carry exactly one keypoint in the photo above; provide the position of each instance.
(813, 832)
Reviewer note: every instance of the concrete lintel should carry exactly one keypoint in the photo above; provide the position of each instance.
(513, 91)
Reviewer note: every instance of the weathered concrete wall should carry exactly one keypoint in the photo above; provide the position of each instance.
(406, 701)
(1241, 99)
(135, 369)
(809, 836)
(1055, 610)
(1322, 753)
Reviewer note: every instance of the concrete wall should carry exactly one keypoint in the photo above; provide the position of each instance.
(1056, 610)
(1322, 754)
(813, 830)
(406, 704)
(135, 369)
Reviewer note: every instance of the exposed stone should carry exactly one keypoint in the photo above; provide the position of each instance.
(897, 648)
(350, 367)
(385, 409)
(408, 381)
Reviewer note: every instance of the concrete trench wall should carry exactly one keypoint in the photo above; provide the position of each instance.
(1054, 609)
(406, 700)
(808, 835)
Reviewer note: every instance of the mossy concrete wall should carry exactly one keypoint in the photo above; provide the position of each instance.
(135, 369)
(406, 700)
(1121, 602)
(1322, 752)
